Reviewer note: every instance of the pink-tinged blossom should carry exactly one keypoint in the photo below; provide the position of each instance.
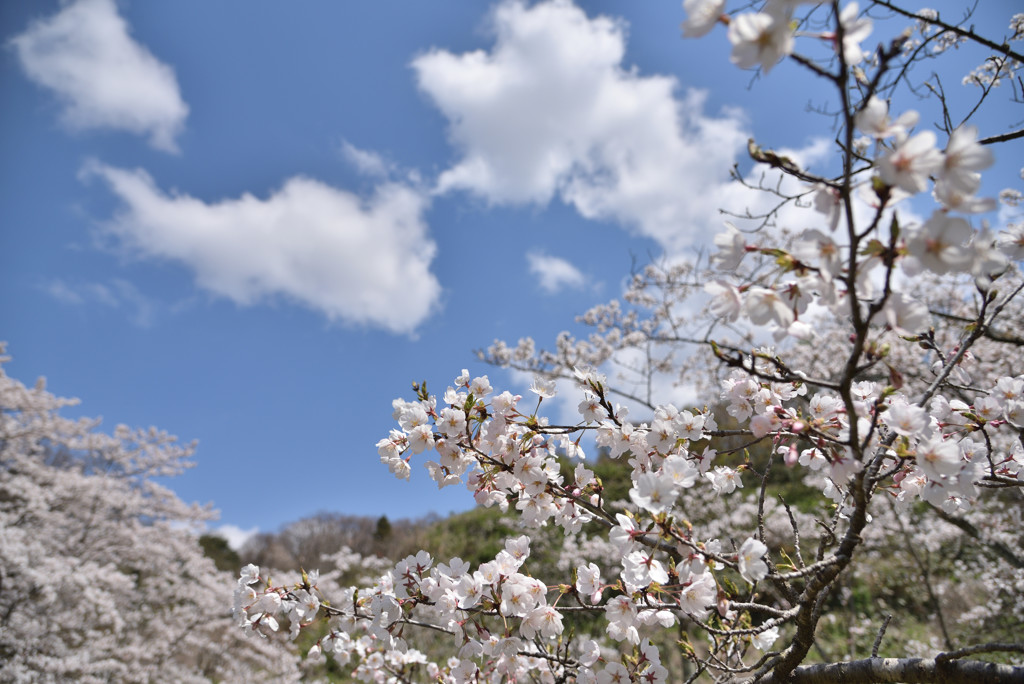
(469, 590)
(680, 471)
(725, 300)
(420, 438)
(306, 607)
(640, 569)
(855, 30)
(750, 562)
(516, 601)
(621, 613)
(1014, 413)
(732, 247)
(250, 574)
(988, 408)
(813, 459)
(1011, 242)
(724, 479)
(827, 201)
(940, 243)
(986, 260)
(701, 16)
(390, 447)
(623, 535)
(843, 467)
(954, 200)
(939, 458)
(614, 673)
(452, 422)
(760, 39)
(874, 120)
(905, 315)
(698, 593)
(544, 388)
(588, 581)
(964, 157)
(504, 403)
(911, 163)
(762, 641)
(905, 419)
(480, 387)
(824, 406)
(518, 548)
(412, 415)
(543, 620)
(763, 305)
(817, 249)
(662, 437)
(653, 493)
(764, 423)
(690, 426)
(591, 410)
(452, 397)
(589, 653)
(1008, 389)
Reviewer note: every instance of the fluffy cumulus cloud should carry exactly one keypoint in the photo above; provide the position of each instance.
(553, 273)
(86, 55)
(550, 110)
(362, 261)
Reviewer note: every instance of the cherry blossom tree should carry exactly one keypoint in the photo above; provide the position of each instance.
(849, 340)
(100, 578)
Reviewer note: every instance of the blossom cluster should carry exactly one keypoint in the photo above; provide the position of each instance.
(506, 456)
(859, 427)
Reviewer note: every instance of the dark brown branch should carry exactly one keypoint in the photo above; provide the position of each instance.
(907, 670)
(992, 139)
(1003, 49)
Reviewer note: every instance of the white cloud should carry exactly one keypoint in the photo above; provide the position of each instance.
(85, 54)
(551, 111)
(366, 162)
(354, 260)
(118, 294)
(235, 535)
(553, 273)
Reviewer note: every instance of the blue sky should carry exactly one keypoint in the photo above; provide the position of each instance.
(254, 224)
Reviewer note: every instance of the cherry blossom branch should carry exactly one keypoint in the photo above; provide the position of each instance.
(971, 338)
(965, 33)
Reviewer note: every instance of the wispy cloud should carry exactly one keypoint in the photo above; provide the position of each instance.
(551, 111)
(362, 261)
(553, 273)
(115, 294)
(367, 162)
(86, 55)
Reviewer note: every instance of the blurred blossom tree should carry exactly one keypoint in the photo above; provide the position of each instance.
(863, 362)
(101, 579)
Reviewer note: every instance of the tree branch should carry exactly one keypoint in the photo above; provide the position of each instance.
(1003, 49)
(907, 670)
